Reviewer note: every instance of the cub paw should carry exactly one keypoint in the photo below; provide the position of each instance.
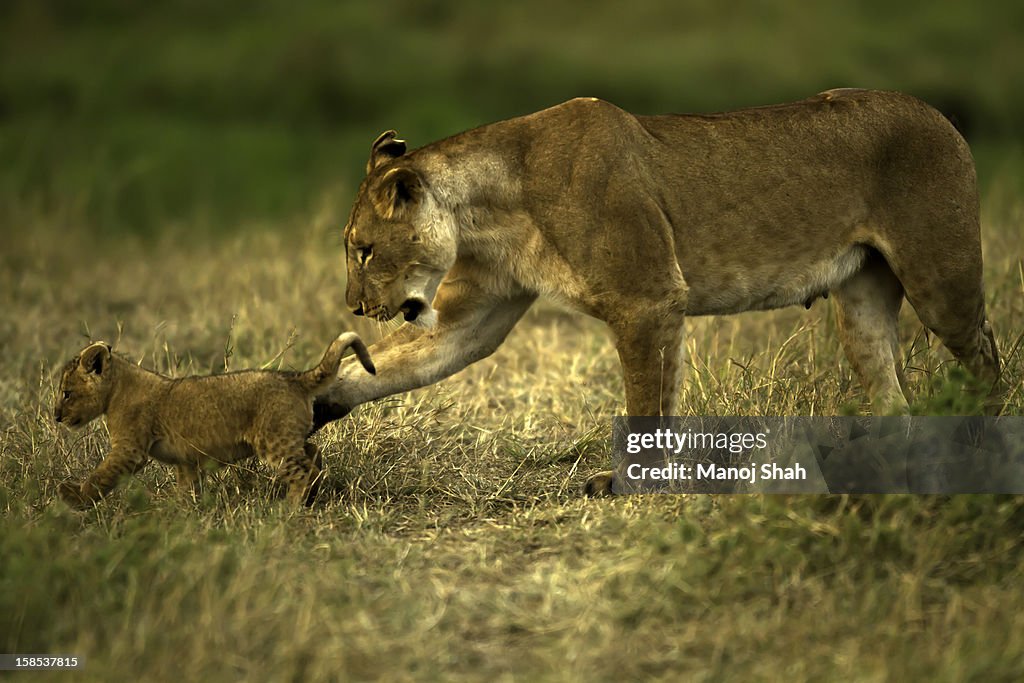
(71, 493)
(599, 485)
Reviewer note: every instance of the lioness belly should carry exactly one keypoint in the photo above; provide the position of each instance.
(731, 287)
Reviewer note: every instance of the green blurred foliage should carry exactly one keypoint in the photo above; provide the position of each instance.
(121, 115)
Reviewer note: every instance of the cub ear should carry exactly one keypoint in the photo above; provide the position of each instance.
(384, 149)
(95, 358)
(397, 191)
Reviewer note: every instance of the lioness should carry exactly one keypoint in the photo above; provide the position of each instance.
(642, 220)
(192, 421)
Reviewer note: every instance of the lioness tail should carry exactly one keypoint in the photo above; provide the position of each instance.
(323, 375)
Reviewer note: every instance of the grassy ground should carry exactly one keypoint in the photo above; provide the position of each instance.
(449, 540)
(159, 162)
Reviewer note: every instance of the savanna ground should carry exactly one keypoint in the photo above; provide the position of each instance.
(450, 538)
(175, 181)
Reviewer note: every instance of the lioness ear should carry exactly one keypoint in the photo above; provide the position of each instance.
(384, 149)
(399, 189)
(94, 358)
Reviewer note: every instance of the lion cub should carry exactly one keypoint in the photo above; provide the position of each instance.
(192, 421)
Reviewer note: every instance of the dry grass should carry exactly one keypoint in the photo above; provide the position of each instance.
(449, 541)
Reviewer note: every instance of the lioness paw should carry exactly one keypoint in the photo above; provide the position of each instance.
(599, 485)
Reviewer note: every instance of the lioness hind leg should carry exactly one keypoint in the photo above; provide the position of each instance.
(868, 306)
(946, 289)
(955, 311)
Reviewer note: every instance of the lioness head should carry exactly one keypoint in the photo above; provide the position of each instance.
(84, 386)
(399, 241)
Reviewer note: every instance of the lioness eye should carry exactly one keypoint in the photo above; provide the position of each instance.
(67, 395)
(364, 254)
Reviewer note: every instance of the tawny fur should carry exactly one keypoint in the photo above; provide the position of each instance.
(641, 221)
(194, 422)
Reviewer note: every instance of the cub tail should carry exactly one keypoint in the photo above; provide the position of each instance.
(325, 374)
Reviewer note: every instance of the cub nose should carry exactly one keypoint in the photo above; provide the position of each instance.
(57, 417)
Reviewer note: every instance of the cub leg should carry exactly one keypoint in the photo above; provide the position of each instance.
(293, 463)
(868, 306)
(188, 479)
(316, 470)
(120, 461)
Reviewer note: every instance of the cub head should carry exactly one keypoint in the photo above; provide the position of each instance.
(85, 386)
(400, 239)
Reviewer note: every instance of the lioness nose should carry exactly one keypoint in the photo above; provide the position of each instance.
(358, 310)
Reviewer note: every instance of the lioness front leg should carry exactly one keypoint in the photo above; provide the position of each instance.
(471, 325)
(333, 406)
(118, 463)
(650, 343)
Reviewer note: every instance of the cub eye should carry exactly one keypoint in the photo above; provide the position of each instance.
(364, 254)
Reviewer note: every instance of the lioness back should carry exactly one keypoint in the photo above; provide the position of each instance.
(769, 206)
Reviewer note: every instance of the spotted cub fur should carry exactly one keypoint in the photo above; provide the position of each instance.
(194, 421)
